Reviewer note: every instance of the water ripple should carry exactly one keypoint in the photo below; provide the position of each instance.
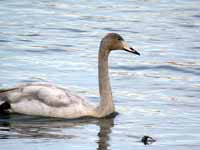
(57, 41)
(160, 67)
(4, 41)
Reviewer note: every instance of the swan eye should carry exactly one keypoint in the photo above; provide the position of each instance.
(120, 38)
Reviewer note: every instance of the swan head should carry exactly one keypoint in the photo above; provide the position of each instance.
(114, 41)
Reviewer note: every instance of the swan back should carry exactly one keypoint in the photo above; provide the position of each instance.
(46, 100)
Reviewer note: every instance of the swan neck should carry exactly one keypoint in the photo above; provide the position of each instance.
(106, 106)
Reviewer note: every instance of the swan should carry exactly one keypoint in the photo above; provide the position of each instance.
(42, 99)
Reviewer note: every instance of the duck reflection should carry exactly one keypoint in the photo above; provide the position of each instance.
(31, 127)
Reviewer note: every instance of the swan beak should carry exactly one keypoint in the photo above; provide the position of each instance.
(129, 49)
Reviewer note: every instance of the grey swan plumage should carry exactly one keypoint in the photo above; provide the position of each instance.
(52, 101)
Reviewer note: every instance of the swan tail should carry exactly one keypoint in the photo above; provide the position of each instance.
(4, 107)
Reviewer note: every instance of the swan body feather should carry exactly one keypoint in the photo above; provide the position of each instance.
(46, 100)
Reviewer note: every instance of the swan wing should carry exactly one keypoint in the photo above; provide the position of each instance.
(45, 93)
(46, 100)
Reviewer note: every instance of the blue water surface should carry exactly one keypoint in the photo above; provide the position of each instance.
(156, 94)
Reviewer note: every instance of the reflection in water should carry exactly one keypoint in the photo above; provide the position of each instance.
(105, 130)
(33, 127)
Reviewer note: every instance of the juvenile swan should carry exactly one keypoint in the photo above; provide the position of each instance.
(52, 101)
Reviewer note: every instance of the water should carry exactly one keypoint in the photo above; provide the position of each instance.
(157, 94)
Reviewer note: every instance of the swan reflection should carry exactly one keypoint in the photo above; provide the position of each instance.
(31, 127)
